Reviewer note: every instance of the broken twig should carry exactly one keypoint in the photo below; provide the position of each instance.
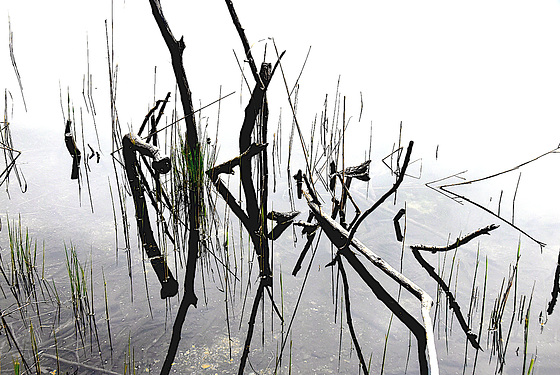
(458, 242)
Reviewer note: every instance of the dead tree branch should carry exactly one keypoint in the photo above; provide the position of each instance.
(471, 336)
(245, 42)
(397, 226)
(422, 334)
(176, 48)
(132, 144)
(384, 197)
(339, 237)
(444, 189)
(256, 222)
(458, 242)
(228, 166)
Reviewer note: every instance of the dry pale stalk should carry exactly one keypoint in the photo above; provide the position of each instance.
(338, 235)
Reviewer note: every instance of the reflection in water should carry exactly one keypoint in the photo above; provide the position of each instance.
(52, 210)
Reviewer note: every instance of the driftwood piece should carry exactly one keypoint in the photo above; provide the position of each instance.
(256, 224)
(332, 180)
(339, 237)
(228, 166)
(282, 217)
(176, 49)
(73, 150)
(307, 227)
(262, 136)
(155, 201)
(458, 242)
(251, 226)
(360, 172)
(283, 221)
(244, 41)
(131, 145)
(162, 164)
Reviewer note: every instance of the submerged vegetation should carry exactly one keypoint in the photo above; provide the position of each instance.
(186, 230)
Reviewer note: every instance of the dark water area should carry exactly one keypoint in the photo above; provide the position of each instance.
(59, 216)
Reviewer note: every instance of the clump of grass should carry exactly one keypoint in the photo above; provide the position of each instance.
(23, 257)
(15, 363)
(188, 172)
(129, 367)
(34, 348)
(21, 273)
(28, 290)
(499, 342)
(84, 314)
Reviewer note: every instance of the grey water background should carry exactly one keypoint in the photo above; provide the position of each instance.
(54, 213)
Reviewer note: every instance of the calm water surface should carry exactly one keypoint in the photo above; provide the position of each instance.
(58, 215)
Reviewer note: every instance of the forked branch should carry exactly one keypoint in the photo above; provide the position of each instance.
(339, 237)
(444, 189)
(389, 192)
(176, 48)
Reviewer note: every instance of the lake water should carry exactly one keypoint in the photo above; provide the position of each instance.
(57, 215)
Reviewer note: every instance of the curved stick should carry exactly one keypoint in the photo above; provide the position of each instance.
(458, 242)
(72, 149)
(132, 144)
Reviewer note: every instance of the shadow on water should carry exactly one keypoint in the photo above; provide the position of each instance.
(56, 219)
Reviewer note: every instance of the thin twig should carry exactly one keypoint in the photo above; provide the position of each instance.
(12, 57)
(456, 196)
(458, 242)
(244, 41)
